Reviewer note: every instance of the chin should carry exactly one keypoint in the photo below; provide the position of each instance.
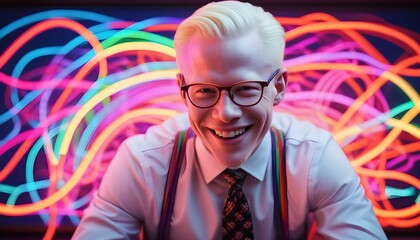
(232, 160)
(234, 164)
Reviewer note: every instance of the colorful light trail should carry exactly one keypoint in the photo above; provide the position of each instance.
(68, 104)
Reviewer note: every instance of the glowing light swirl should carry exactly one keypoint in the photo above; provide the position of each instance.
(116, 78)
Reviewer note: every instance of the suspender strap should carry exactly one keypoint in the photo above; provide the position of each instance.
(279, 183)
(178, 155)
(278, 151)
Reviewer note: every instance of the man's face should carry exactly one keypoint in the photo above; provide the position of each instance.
(230, 132)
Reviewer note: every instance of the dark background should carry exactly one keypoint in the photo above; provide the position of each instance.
(405, 13)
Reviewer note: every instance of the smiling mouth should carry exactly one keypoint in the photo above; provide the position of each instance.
(230, 134)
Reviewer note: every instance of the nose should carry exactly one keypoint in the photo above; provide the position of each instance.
(225, 109)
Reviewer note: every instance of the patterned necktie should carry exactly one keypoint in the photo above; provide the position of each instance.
(237, 221)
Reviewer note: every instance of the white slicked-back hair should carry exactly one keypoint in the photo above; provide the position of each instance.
(228, 18)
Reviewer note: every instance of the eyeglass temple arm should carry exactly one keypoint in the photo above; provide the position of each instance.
(273, 75)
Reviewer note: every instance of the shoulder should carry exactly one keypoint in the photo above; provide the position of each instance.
(298, 131)
(158, 136)
(145, 157)
(150, 152)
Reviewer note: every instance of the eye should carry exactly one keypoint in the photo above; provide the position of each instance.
(203, 91)
(244, 88)
(247, 89)
(206, 90)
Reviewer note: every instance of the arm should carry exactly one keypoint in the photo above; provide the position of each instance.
(338, 200)
(115, 211)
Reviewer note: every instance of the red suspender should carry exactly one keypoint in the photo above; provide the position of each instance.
(278, 153)
(279, 183)
(178, 155)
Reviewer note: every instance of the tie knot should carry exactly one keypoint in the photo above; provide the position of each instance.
(235, 177)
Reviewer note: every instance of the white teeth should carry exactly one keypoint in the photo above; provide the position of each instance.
(229, 134)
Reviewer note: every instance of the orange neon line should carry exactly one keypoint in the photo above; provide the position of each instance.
(162, 27)
(357, 145)
(44, 26)
(52, 223)
(403, 223)
(402, 67)
(365, 44)
(307, 19)
(367, 142)
(399, 215)
(361, 26)
(407, 148)
(389, 153)
(17, 157)
(91, 38)
(355, 86)
(313, 18)
(390, 174)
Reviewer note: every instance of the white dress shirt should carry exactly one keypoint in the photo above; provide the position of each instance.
(320, 180)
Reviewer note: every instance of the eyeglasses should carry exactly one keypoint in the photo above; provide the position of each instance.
(244, 94)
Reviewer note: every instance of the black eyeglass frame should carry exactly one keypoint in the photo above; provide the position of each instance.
(220, 89)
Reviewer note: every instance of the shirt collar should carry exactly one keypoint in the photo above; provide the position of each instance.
(255, 165)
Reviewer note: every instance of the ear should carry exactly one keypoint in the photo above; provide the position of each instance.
(280, 85)
(180, 81)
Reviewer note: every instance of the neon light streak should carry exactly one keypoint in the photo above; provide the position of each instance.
(113, 78)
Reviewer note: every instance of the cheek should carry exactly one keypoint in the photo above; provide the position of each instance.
(266, 104)
(196, 116)
(260, 115)
(263, 112)
(269, 95)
